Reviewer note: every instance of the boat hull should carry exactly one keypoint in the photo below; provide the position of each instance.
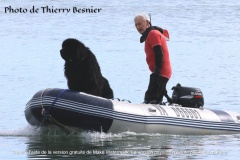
(76, 109)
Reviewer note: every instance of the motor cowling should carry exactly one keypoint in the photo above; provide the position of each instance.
(187, 96)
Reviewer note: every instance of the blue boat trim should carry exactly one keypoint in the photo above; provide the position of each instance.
(224, 116)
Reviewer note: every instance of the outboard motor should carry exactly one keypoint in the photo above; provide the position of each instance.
(187, 96)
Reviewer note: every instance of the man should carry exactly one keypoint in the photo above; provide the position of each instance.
(157, 58)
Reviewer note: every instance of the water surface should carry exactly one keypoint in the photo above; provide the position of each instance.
(204, 49)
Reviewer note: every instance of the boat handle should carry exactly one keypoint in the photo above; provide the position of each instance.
(151, 110)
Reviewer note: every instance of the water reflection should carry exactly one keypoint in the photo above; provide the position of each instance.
(52, 143)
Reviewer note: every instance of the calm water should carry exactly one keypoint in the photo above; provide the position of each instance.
(204, 46)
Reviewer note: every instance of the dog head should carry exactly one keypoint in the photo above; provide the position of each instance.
(73, 50)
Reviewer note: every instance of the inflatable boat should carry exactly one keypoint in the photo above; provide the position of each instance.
(80, 110)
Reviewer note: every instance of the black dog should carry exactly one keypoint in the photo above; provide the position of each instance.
(82, 70)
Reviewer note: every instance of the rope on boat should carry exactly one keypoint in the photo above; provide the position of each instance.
(47, 116)
(43, 110)
(66, 128)
(121, 100)
(55, 100)
(124, 100)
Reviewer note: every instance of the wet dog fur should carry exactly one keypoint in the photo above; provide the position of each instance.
(82, 70)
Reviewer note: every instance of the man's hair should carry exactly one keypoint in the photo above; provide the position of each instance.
(143, 15)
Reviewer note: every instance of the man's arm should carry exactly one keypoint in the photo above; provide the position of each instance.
(158, 58)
